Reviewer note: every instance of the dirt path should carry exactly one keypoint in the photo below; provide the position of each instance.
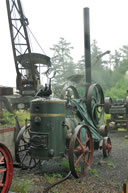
(105, 176)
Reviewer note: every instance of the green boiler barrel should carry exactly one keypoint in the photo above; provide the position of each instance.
(47, 133)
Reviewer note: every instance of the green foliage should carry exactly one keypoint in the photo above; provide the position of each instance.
(109, 73)
(106, 116)
(94, 172)
(7, 116)
(119, 91)
(62, 61)
(65, 164)
(10, 118)
(21, 187)
(22, 116)
(110, 164)
(96, 59)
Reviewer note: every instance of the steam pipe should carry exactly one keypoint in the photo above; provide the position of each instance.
(87, 48)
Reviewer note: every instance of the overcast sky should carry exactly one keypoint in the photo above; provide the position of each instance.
(51, 19)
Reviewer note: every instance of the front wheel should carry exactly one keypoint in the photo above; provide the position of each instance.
(80, 151)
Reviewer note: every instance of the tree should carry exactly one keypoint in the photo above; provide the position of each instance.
(124, 51)
(96, 56)
(62, 61)
(119, 90)
(98, 69)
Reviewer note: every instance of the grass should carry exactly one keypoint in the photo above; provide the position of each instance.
(111, 182)
(21, 187)
(51, 178)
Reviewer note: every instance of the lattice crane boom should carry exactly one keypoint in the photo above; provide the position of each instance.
(27, 63)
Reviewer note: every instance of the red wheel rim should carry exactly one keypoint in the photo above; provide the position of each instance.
(6, 169)
(80, 151)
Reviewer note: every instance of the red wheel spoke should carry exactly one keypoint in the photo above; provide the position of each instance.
(3, 170)
(1, 159)
(78, 160)
(80, 151)
(75, 150)
(1, 185)
(86, 141)
(79, 142)
(109, 146)
(86, 162)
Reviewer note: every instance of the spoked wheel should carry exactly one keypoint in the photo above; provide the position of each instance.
(107, 146)
(6, 169)
(22, 149)
(69, 92)
(80, 151)
(95, 104)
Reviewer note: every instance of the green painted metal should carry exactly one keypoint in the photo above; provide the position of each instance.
(47, 133)
(82, 110)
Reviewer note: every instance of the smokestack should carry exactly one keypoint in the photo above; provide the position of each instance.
(87, 48)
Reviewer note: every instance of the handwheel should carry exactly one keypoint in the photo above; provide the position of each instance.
(80, 151)
(107, 146)
(22, 149)
(6, 169)
(95, 104)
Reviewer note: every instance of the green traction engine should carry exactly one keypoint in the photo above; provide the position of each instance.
(70, 126)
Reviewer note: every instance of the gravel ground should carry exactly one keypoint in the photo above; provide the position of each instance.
(105, 176)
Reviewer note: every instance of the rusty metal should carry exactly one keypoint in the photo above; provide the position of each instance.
(103, 130)
(27, 64)
(108, 104)
(80, 151)
(6, 91)
(107, 146)
(118, 110)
